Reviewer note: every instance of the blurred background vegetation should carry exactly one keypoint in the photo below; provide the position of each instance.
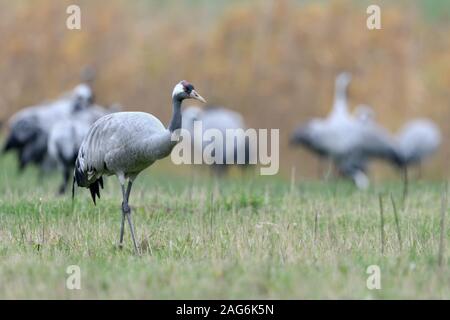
(274, 60)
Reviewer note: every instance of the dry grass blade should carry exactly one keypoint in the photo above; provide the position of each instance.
(380, 197)
(405, 185)
(397, 223)
(316, 225)
(331, 227)
(442, 225)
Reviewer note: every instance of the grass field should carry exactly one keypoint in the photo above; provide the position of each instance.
(242, 238)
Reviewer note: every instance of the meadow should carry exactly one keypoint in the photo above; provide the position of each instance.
(236, 238)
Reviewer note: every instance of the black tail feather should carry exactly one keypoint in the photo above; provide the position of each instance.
(11, 143)
(93, 192)
(78, 178)
(73, 187)
(94, 188)
(81, 180)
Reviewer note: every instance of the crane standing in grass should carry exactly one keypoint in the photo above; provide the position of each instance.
(223, 120)
(417, 140)
(126, 143)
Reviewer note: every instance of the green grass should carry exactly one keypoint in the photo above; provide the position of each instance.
(238, 238)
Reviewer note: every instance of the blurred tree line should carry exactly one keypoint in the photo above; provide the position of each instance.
(274, 61)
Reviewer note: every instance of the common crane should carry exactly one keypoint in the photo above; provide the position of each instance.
(221, 119)
(347, 140)
(417, 140)
(126, 143)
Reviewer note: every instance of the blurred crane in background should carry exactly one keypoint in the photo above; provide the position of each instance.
(221, 119)
(66, 136)
(29, 128)
(417, 140)
(348, 140)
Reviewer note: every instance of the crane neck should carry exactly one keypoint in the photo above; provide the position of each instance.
(340, 98)
(175, 121)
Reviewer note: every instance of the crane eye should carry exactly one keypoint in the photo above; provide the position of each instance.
(188, 88)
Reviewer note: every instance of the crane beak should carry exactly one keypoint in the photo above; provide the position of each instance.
(196, 96)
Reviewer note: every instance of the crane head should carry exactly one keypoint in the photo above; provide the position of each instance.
(82, 97)
(185, 90)
(343, 80)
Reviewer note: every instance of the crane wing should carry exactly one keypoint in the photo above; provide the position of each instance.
(378, 143)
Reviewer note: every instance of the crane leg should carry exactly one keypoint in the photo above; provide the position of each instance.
(63, 186)
(122, 225)
(405, 183)
(126, 212)
(130, 222)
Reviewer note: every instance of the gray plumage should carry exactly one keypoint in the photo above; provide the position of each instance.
(418, 140)
(221, 119)
(350, 143)
(66, 136)
(347, 140)
(124, 144)
(308, 135)
(355, 165)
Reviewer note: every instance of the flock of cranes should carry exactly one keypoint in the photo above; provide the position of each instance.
(87, 141)
(50, 134)
(350, 141)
